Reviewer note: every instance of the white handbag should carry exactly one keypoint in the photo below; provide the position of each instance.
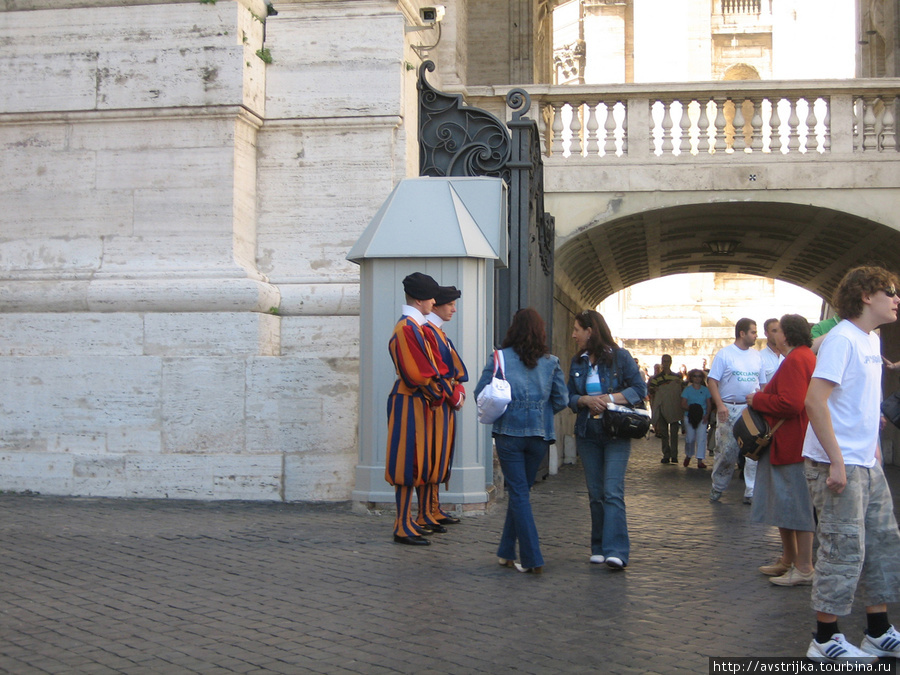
(494, 398)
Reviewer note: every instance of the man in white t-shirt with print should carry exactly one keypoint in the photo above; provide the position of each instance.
(859, 543)
(736, 371)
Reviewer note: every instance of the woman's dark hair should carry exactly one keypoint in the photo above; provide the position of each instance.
(600, 344)
(796, 330)
(696, 371)
(527, 336)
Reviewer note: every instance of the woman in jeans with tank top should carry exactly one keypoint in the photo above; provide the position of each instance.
(602, 372)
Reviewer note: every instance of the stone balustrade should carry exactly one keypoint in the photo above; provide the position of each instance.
(707, 120)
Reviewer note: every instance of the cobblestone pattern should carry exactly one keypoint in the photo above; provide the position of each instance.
(120, 586)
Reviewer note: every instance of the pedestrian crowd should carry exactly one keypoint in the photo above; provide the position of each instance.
(814, 390)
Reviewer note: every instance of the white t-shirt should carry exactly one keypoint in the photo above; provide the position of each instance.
(770, 363)
(851, 359)
(737, 372)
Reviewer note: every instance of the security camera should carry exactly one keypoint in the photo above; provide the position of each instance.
(431, 15)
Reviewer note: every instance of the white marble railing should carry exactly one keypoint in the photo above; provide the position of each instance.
(703, 120)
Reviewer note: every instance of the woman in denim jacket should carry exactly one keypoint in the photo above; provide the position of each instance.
(523, 434)
(602, 372)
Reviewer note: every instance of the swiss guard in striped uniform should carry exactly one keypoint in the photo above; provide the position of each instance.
(418, 390)
(453, 370)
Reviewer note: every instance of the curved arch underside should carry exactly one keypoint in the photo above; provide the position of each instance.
(805, 245)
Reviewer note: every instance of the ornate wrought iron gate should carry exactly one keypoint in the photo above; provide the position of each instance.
(460, 140)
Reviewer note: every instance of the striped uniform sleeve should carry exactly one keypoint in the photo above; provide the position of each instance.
(414, 362)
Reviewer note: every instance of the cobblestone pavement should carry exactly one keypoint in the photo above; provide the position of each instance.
(140, 586)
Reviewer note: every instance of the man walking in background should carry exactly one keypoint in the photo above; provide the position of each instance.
(736, 372)
(665, 401)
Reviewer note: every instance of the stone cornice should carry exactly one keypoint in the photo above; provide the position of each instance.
(133, 114)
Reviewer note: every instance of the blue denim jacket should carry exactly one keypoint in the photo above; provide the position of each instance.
(625, 378)
(537, 395)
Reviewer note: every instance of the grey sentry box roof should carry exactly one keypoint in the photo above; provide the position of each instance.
(454, 229)
(461, 217)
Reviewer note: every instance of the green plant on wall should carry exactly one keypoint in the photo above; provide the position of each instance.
(207, 2)
(264, 54)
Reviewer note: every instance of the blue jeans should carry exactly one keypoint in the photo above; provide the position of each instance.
(520, 459)
(604, 460)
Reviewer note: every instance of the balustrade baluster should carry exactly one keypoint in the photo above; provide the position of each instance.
(826, 122)
(609, 147)
(575, 127)
(857, 124)
(593, 147)
(870, 141)
(625, 132)
(775, 141)
(556, 138)
(738, 142)
(703, 144)
(794, 128)
(812, 141)
(685, 125)
(888, 129)
(544, 114)
(756, 123)
(667, 144)
(720, 141)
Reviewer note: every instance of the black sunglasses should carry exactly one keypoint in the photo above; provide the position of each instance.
(890, 292)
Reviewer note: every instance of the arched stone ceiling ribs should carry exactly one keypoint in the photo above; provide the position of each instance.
(867, 248)
(802, 240)
(652, 229)
(806, 245)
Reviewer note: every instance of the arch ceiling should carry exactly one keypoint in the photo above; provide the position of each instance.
(808, 246)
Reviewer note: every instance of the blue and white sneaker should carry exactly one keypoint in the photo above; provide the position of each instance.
(837, 649)
(886, 645)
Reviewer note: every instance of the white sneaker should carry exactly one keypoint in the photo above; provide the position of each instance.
(615, 563)
(598, 559)
(837, 648)
(886, 645)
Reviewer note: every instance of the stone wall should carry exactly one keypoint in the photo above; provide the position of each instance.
(177, 318)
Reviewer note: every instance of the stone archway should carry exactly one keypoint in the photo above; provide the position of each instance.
(806, 245)
(809, 246)
(741, 71)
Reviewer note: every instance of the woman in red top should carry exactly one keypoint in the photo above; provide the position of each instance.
(781, 497)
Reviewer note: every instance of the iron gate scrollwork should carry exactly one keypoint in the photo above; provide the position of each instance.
(456, 139)
(460, 140)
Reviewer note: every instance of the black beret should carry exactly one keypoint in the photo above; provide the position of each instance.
(420, 286)
(447, 294)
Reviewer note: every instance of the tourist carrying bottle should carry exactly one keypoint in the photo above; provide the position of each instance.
(601, 372)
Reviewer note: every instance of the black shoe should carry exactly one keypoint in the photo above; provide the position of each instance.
(422, 532)
(664, 460)
(440, 529)
(411, 541)
(448, 520)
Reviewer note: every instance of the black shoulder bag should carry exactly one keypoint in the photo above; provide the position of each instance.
(625, 421)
